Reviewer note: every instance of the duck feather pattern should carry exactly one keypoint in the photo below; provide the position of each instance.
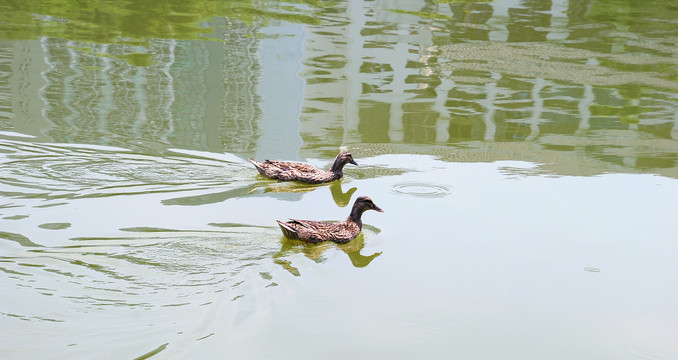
(340, 232)
(296, 171)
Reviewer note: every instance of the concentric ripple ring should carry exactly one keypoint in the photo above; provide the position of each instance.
(420, 189)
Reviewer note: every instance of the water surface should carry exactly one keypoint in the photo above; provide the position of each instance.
(524, 153)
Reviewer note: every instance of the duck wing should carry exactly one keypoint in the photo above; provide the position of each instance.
(291, 171)
(292, 166)
(318, 231)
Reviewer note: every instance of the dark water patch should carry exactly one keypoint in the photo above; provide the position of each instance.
(13, 272)
(175, 305)
(31, 265)
(205, 337)
(32, 318)
(64, 273)
(153, 352)
(236, 225)
(22, 240)
(211, 198)
(55, 226)
(10, 206)
(148, 229)
(51, 204)
(16, 217)
(88, 240)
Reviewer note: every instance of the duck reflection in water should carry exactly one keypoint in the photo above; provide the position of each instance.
(289, 191)
(316, 252)
(341, 198)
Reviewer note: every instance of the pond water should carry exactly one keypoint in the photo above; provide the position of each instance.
(525, 154)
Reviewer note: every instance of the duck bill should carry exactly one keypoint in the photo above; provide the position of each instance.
(377, 208)
(353, 162)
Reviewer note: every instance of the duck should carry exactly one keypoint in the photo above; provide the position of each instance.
(340, 232)
(296, 171)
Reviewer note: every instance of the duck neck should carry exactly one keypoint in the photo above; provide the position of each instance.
(337, 166)
(356, 214)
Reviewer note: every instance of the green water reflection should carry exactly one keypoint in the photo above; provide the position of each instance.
(316, 252)
(137, 22)
(569, 77)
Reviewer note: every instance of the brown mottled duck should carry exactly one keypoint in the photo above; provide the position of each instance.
(340, 232)
(295, 171)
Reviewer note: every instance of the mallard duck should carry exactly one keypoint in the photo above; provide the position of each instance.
(295, 171)
(340, 232)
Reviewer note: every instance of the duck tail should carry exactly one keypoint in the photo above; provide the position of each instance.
(287, 231)
(257, 166)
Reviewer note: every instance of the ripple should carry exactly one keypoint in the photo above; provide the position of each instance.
(70, 171)
(421, 189)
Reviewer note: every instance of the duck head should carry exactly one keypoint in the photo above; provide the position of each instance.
(342, 159)
(365, 203)
(362, 204)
